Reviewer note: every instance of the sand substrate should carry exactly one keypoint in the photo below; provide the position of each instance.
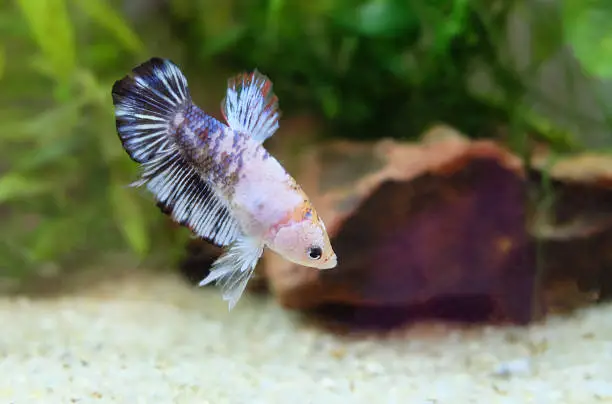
(150, 338)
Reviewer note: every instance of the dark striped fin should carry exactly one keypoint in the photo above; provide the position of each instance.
(146, 105)
(148, 108)
(189, 200)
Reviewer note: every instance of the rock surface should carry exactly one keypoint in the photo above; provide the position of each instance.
(415, 222)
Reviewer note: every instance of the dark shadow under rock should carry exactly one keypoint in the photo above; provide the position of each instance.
(199, 257)
(460, 309)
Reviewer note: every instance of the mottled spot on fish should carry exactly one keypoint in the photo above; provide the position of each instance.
(179, 118)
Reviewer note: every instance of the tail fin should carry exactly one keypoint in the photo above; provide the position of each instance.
(146, 106)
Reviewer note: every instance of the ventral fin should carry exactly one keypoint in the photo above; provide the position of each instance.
(234, 268)
(188, 199)
(250, 106)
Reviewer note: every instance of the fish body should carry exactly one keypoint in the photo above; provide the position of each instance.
(217, 178)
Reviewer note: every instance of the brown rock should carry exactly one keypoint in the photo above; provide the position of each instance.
(574, 227)
(415, 222)
(444, 218)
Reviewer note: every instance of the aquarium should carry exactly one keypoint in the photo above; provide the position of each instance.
(308, 201)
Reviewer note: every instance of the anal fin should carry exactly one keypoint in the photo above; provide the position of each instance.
(188, 199)
(234, 268)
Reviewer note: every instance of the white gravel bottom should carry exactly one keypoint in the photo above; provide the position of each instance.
(149, 338)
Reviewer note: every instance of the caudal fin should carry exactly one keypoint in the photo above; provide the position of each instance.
(146, 105)
(147, 109)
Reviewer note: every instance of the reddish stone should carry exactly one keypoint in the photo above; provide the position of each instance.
(412, 223)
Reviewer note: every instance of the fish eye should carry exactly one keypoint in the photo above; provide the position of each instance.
(315, 252)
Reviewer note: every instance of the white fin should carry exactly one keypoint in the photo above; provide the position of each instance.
(234, 268)
(146, 105)
(250, 106)
(191, 201)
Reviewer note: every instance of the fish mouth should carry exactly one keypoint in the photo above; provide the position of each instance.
(330, 263)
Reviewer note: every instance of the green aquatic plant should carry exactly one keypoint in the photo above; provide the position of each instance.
(63, 177)
(587, 29)
(368, 68)
(377, 68)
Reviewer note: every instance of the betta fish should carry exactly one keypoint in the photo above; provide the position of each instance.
(215, 178)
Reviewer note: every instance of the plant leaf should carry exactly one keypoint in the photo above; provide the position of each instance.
(54, 153)
(588, 30)
(2, 61)
(62, 119)
(223, 41)
(546, 29)
(15, 185)
(377, 18)
(129, 218)
(103, 14)
(52, 29)
(57, 236)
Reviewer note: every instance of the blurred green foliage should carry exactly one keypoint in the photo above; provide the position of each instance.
(587, 27)
(392, 67)
(368, 68)
(63, 177)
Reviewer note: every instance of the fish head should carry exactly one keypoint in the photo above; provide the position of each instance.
(304, 241)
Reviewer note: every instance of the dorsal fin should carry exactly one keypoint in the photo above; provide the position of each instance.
(250, 106)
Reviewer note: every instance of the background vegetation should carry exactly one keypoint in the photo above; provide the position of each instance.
(367, 69)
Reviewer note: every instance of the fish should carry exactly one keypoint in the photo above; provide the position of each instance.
(216, 178)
